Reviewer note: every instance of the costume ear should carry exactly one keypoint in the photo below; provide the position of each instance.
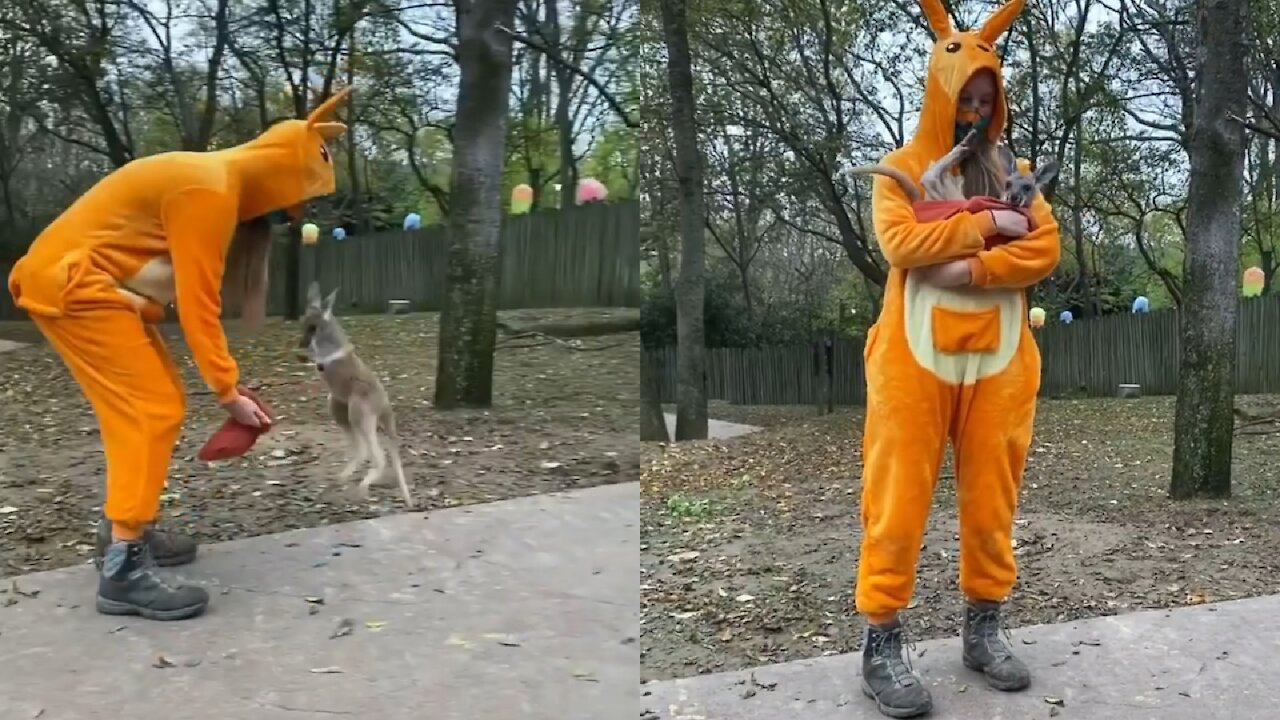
(939, 19)
(1000, 21)
(330, 130)
(326, 109)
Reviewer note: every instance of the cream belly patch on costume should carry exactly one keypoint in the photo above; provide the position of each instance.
(153, 281)
(960, 368)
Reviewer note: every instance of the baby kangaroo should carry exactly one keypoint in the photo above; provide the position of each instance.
(357, 401)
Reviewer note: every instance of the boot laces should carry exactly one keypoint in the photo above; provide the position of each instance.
(890, 645)
(147, 568)
(995, 636)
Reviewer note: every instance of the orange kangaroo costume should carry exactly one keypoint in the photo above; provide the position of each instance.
(153, 232)
(948, 363)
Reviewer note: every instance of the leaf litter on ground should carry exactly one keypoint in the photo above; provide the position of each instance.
(777, 520)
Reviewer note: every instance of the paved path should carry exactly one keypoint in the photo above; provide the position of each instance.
(1207, 662)
(716, 429)
(7, 345)
(520, 610)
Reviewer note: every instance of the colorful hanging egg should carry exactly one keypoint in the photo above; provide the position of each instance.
(1254, 281)
(1036, 316)
(310, 233)
(521, 199)
(591, 190)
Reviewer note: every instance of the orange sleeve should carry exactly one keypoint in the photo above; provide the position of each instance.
(199, 223)
(907, 243)
(1023, 262)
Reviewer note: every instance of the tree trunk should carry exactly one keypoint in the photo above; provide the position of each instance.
(1203, 422)
(356, 206)
(691, 394)
(653, 426)
(468, 322)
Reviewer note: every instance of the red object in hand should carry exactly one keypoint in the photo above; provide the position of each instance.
(234, 439)
(931, 210)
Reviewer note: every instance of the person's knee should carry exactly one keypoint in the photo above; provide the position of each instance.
(167, 410)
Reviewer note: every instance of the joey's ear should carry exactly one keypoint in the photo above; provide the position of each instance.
(1046, 172)
(329, 300)
(1007, 160)
(313, 294)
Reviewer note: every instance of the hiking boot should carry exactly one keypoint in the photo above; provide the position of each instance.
(986, 651)
(168, 548)
(887, 677)
(129, 585)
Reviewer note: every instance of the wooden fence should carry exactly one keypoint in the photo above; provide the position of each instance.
(1086, 358)
(587, 256)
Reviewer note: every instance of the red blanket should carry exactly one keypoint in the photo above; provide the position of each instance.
(234, 439)
(931, 210)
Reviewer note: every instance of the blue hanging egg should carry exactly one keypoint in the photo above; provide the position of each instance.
(339, 233)
(1141, 304)
(1065, 317)
(412, 221)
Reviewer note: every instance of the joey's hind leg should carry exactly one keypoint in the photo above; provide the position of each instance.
(364, 423)
(356, 450)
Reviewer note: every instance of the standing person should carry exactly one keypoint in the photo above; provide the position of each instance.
(159, 230)
(950, 357)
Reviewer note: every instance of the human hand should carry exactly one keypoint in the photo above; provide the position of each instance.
(951, 274)
(246, 412)
(1010, 223)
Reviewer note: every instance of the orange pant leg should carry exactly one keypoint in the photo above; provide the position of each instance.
(992, 435)
(136, 393)
(908, 417)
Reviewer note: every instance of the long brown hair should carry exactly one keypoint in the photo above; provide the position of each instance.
(244, 280)
(983, 173)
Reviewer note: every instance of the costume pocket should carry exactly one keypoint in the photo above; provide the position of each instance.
(957, 331)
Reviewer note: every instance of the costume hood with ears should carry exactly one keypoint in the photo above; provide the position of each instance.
(956, 57)
(289, 163)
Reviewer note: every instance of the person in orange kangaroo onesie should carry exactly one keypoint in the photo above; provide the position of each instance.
(950, 357)
(159, 230)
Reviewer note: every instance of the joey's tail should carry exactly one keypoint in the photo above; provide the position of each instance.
(388, 424)
(908, 187)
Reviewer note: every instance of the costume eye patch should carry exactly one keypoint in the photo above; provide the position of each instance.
(324, 152)
(953, 47)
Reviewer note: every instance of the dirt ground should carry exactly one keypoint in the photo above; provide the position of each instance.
(562, 418)
(749, 545)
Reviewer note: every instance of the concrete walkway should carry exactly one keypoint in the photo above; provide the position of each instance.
(1205, 662)
(520, 610)
(716, 429)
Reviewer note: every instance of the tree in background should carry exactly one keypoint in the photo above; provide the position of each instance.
(469, 320)
(1204, 424)
(691, 390)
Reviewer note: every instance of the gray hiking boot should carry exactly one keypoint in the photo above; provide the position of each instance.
(167, 548)
(129, 585)
(887, 677)
(986, 651)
